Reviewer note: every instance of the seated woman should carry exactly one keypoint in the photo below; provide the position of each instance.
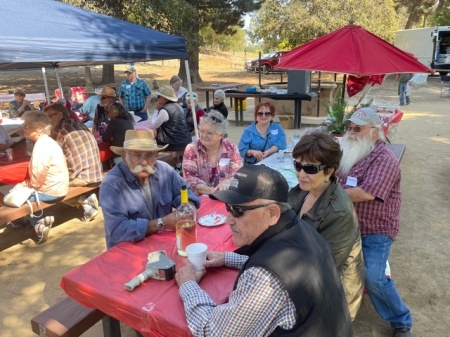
(323, 203)
(180, 91)
(19, 105)
(210, 162)
(263, 137)
(48, 171)
(188, 111)
(120, 120)
(218, 102)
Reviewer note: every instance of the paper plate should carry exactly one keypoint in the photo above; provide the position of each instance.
(211, 220)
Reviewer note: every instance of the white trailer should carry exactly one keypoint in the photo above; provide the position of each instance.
(431, 46)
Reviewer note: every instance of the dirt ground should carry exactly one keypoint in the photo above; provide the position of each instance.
(420, 261)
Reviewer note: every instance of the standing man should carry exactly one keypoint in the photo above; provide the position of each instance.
(82, 154)
(134, 94)
(139, 194)
(288, 283)
(370, 174)
(403, 87)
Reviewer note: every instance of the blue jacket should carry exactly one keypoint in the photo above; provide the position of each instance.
(124, 210)
(251, 139)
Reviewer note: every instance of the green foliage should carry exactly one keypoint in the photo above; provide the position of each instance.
(336, 121)
(216, 41)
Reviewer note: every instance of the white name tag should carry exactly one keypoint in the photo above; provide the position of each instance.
(352, 181)
(224, 161)
(274, 132)
(128, 86)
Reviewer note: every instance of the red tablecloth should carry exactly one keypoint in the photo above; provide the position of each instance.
(153, 308)
(15, 171)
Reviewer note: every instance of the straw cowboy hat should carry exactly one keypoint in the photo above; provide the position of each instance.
(108, 92)
(138, 140)
(166, 91)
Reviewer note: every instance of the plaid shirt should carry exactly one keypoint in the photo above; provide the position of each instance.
(81, 150)
(134, 95)
(257, 306)
(378, 174)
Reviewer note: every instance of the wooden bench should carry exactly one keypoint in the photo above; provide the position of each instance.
(8, 214)
(68, 318)
(398, 150)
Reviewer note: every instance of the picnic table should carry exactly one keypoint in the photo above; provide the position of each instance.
(213, 87)
(29, 97)
(154, 308)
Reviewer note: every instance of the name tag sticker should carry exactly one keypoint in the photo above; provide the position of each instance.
(352, 181)
(274, 132)
(128, 86)
(224, 161)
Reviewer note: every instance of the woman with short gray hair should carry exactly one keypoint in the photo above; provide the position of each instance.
(210, 162)
(218, 102)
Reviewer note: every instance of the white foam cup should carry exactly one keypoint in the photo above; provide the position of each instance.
(196, 254)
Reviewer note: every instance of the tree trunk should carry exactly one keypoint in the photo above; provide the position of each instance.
(108, 74)
(88, 77)
(193, 69)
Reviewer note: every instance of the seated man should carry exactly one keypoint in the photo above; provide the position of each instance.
(19, 105)
(288, 282)
(89, 106)
(138, 194)
(82, 154)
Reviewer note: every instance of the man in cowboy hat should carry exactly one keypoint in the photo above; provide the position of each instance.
(134, 94)
(138, 194)
(107, 97)
(169, 122)
(89, 106)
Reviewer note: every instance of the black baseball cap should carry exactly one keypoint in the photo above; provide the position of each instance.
(254, 182)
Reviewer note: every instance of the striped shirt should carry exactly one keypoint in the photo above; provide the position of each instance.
(134, 95)
(257, 306)
(81, 150)
(378, 174)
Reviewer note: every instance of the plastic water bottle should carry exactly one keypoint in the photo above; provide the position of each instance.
(295, 138)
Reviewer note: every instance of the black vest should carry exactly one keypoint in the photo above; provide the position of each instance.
(301, 259)
(174, 131)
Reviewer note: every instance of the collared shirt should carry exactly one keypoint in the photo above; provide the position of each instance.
(378, 174)
(255, 308)
(134, 95)
(90, 105)
(197, 167)
(124, 208)
(81, 150)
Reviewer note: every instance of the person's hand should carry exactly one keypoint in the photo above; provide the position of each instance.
(188, 273)
(170, 220)
(224, 185)
(158, 105)
(214, 259)
(258, 155)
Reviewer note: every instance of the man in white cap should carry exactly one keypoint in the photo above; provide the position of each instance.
(134, 94)
(139, 194)
(370, 174)
(288, 283)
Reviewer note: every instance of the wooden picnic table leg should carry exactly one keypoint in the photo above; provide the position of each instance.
(236, 111)
(111, 327)
(241, 111)
(207, 98)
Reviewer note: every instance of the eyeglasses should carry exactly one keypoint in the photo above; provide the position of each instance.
(264, 113)
(140, 157)
(238, 211)
(356, 129)
(308, 168)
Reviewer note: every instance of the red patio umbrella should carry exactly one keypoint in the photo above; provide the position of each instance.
(351, 50)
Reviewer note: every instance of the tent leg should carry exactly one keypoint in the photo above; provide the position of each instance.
(194, 113)
(44, 75)
(58, 80)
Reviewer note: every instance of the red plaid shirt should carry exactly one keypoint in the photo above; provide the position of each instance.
(378, 174)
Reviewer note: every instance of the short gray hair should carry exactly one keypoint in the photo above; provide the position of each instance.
(220, 93)
(216, 120)
(38, 119)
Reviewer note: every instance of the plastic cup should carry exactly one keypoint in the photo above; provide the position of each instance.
(196, 254)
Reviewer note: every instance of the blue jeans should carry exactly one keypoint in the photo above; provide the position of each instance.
(403, 93)
(142, 114)
(42, 197)
(381, 290)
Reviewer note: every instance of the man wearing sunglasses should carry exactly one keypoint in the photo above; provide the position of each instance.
(287, 283)
(370, 174)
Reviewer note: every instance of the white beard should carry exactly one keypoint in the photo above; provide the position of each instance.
(354, 149)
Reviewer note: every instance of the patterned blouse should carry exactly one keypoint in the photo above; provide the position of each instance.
(197, 168)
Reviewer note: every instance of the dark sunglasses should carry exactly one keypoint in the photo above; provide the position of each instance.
(356, 128)
(264, 113)
(238, 211)
(308, 168)
(103, 97)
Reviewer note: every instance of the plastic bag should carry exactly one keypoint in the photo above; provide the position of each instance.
(419, 80)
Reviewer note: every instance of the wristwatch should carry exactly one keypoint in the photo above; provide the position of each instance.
(160, 225)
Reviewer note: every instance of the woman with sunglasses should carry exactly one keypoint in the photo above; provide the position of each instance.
(120, 120)
(263, 137)
(319, 200)
(210, 163)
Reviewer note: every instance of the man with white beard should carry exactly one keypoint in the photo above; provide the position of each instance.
(137, 196)
(370, 174)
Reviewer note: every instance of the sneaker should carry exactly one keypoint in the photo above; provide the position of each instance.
(89, 213)
(92, 201)
(402, 332)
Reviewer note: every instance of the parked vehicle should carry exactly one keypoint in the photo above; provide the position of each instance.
(268, 62)
(248, 64)
(431, 46)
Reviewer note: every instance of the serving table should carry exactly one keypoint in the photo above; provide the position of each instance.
(154, 308)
